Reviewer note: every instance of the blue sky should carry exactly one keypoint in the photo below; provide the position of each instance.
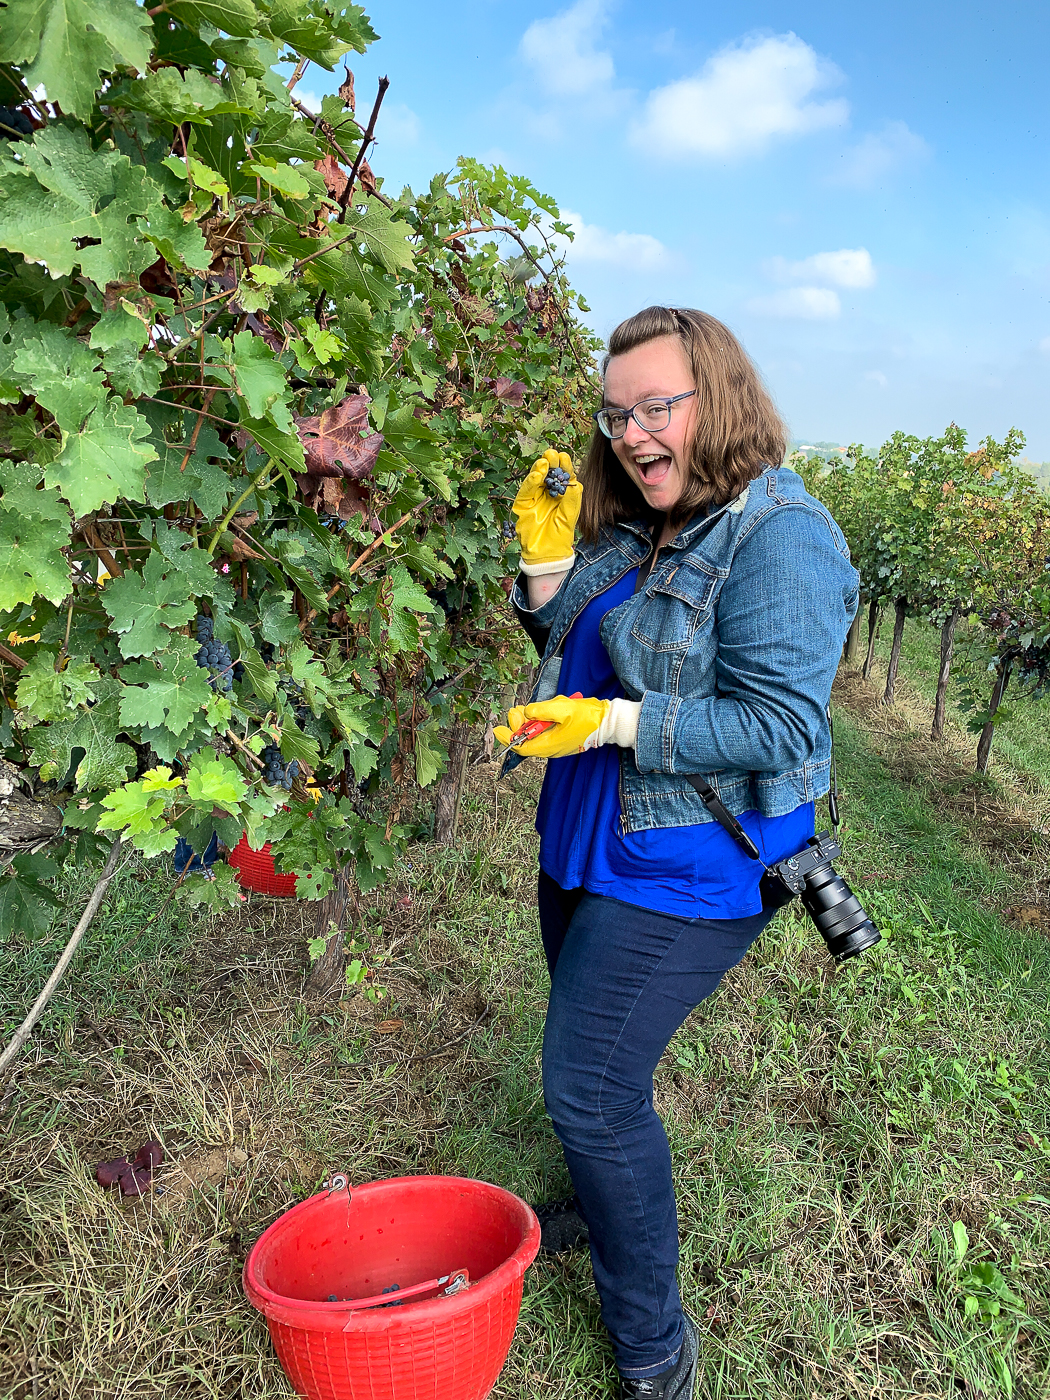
(860, 193)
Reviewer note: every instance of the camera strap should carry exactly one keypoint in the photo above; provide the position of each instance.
(732, 827)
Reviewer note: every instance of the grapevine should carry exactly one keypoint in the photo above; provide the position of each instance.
(256, 417)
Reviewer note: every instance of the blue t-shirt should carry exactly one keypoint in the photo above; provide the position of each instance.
(689, 871)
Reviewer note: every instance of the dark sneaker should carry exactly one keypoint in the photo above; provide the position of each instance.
(562, 1227)
(677, 1382)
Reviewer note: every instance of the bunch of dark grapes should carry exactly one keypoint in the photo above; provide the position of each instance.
(508, 530)
(205, 630)
(13, 121)
(215, 657)
(556, 480)
(295, 695)
(268, 652)
(334, 522)
(276, 772)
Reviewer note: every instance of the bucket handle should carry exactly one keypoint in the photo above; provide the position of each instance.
(451, 1284)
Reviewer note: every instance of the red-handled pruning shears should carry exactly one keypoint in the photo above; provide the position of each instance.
(532, 727)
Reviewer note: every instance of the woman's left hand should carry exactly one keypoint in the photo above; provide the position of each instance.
(575, 726)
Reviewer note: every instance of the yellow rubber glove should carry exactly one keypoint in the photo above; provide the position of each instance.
(547, 524)
(572, 724)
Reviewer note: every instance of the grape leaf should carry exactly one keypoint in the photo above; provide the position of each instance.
(284, 447)
(178, 243)
(34, 529)
(238, 18)
(144, 606)
(338, 442)
(63, 375)
(429, 757)
(77, 206)
(106, 761)
(260, 378)
(203, 480)
(285, 179)
(167, 96)
(387, 239)
(105, 461)
(132, 375)
(215, 780)
(50, 694)
(167, 690)
(135, 809)
(25, 903)
(68, 44)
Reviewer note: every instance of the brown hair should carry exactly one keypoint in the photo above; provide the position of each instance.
(738, 430)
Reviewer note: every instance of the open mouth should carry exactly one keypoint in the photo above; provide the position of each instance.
(653, 468)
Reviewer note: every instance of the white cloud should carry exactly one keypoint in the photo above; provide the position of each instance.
(876, 376)
(398, 125)
(633, 252)
(848, 267)
(798, 304)
(562, 51)
(877, 155)
(746, 96)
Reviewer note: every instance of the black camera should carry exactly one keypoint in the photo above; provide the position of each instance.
(837, 912)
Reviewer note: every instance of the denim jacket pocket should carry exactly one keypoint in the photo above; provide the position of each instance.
(674, 605)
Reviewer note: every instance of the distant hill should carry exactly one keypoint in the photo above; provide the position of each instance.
(1040, 470)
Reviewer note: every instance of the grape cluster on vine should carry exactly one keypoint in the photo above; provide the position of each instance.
(275, 771)
(294, 691)
(334, 522)
(214, 657)
(14, 124)
(556, 481)
(508, 530)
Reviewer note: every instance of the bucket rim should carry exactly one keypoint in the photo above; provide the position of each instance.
(314, 1315)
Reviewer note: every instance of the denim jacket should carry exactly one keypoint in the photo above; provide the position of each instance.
(731, 646)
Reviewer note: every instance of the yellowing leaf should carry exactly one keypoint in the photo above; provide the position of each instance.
(214, 780)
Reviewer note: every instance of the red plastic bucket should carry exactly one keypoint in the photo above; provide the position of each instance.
(256, 870)
(404, 1231)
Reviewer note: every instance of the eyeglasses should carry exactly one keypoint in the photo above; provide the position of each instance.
(651, 415)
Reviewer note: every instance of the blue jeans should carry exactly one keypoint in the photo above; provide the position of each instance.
(623, 979)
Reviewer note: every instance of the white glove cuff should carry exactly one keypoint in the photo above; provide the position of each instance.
(620, 725)
(553, 566)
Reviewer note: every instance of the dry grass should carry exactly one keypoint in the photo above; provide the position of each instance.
(828, 1125)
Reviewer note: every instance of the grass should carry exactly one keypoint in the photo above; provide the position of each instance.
(862, 1154)
(1022, 733)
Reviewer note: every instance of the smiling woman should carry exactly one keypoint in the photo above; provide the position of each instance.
(692, 637)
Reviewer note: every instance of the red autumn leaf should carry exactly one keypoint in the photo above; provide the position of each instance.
(338, 442)
(149, 1155)
(511, 391)
(136, 1181)
(333, 174)
(329, 495)
(108, 1174)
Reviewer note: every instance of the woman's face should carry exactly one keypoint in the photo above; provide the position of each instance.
(657, 462)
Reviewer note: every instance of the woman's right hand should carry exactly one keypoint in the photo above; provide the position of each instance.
(546, 524)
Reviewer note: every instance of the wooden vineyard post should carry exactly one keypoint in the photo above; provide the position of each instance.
(947, 647)
(899, 618)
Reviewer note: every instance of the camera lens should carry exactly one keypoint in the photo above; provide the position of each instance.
(838, 914)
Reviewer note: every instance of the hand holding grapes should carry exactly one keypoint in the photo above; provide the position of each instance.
(548, 506)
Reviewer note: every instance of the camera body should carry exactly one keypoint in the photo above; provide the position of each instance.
(828, 900)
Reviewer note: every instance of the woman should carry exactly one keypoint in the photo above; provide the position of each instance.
(701, 618)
